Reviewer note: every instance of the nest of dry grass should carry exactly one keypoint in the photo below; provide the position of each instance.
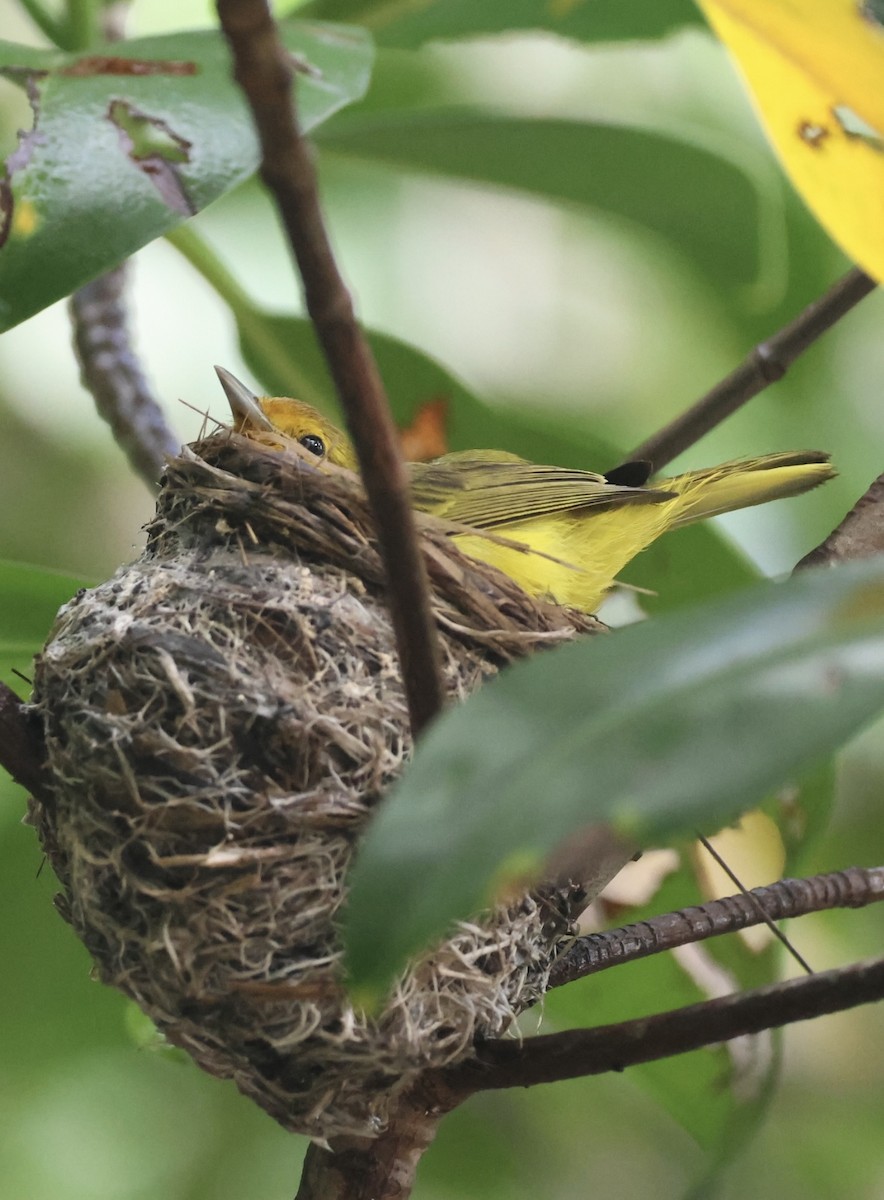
(221, 717)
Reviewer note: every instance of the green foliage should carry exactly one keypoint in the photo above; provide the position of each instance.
(133, 144)
(31, 596)
(671, 726)
(675, 724)
(602, 165)
(410, 26)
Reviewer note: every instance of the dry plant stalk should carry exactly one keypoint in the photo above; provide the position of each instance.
(221, 717)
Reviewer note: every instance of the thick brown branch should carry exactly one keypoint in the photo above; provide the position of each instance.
(852, 888)
(21, 745)
(380, 1168)
(556, 1056)
(860, 534)
(765, 364)
(264, 70)
(110, 370)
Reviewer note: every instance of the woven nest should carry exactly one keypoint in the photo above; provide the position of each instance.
(221, 718)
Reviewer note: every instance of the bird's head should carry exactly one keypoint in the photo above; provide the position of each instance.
(292, 418)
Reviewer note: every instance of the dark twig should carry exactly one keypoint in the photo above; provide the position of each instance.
(21, 746)
(852, 888)
(382, 1168)
(860, 534)
(764, 365)
(580, 1052)
(110, 370)
(264, 70)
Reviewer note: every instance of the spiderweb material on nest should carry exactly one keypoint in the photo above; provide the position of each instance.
(221, 717)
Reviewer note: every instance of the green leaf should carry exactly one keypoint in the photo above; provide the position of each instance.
(649, 177)
(30, 597)
(122, 153)
(409, 25)
(665, 727)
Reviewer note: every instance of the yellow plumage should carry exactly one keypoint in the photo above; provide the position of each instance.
(575, 530)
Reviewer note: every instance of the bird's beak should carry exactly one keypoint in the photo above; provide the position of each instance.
(243, 403)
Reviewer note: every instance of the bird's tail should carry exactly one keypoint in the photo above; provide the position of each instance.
(747, 481)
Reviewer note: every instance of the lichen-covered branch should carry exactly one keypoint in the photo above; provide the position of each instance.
(111, 371)
(763, 365)
(264, 70)
(852, 888)
(860, 534)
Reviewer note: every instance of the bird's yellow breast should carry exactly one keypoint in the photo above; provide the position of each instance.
(571, 560)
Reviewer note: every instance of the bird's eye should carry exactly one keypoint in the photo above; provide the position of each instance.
(314, 444)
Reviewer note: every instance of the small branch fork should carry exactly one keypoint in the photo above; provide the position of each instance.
(502, 1064)
(264, 71)
(361, 1169)
(765, 364)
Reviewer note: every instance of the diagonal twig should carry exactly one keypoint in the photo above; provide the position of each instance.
(765, 364)
(763, 915)
(854, 887)
(264, 71)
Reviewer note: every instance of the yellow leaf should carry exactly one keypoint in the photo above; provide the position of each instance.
(815, 69)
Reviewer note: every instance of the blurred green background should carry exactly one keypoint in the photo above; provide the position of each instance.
(524, 273)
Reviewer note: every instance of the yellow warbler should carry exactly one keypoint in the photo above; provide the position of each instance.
(575, 530)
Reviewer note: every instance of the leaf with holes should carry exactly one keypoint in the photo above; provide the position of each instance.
(814, 68)
(126, 147)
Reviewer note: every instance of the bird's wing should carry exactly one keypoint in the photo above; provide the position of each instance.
(489, 488)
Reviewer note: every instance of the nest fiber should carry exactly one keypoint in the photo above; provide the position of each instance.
(220, 718)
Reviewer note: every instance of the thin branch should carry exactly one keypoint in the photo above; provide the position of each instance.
(765, 364)
(860, 534)
(21, 745)
(264, 70)
(852, 888)
(110, 370)
(759, 908)
(581, 1052)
